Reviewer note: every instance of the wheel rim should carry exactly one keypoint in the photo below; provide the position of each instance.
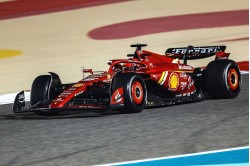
(233, 79)
(137, 92)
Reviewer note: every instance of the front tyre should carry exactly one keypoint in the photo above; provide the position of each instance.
(134, 92)
(222, 79)
(134, 95)
(41, 90)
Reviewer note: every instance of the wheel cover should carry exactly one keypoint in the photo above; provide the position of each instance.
(233, 79)
(137, 92)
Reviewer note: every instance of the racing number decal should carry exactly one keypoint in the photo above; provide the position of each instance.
(173, 81)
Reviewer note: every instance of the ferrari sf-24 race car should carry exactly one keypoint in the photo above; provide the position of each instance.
(144, 79)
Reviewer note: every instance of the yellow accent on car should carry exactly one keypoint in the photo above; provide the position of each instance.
(162, 76)
(173, 81)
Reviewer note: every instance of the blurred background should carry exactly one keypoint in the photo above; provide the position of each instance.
(62, 36)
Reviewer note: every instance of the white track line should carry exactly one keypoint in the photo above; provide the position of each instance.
(177, 156)
(9, 98)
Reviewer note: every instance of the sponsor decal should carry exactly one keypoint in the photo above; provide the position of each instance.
(63, 95)
(66, 92)
(59, 99)
(173, 81)
(191, 82)
(150, 103)
(78, 93)
(184, 84)
(184, 94)
(117, 96)
(184, 67)
(200, 50)
(72, 89)
(78, 85)
(96, 76)
(89, 79)
(108, 76)
(163, 77)
(89, 107)
(183, 75)
(221, 58)
(178, 95)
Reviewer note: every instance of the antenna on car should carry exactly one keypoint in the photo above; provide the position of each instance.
(139, 46)
(189, 48)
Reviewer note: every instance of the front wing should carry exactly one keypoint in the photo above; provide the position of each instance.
(43, 106)
(152, 101)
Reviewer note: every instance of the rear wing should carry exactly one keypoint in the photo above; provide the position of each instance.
(191, 52)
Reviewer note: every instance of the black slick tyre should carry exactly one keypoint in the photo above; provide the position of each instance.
(222, 79)
(40, 91)
(134, 92)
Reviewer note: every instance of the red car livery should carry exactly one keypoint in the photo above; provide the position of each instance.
(144, 79)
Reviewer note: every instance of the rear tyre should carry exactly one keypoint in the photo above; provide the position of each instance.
(222, 79)
(134, 92)
(40, 91)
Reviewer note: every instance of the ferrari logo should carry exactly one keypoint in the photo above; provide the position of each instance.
(173, 81)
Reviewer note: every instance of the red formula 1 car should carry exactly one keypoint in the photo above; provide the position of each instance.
(145, 79)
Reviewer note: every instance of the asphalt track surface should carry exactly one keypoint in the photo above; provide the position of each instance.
(90, 139)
